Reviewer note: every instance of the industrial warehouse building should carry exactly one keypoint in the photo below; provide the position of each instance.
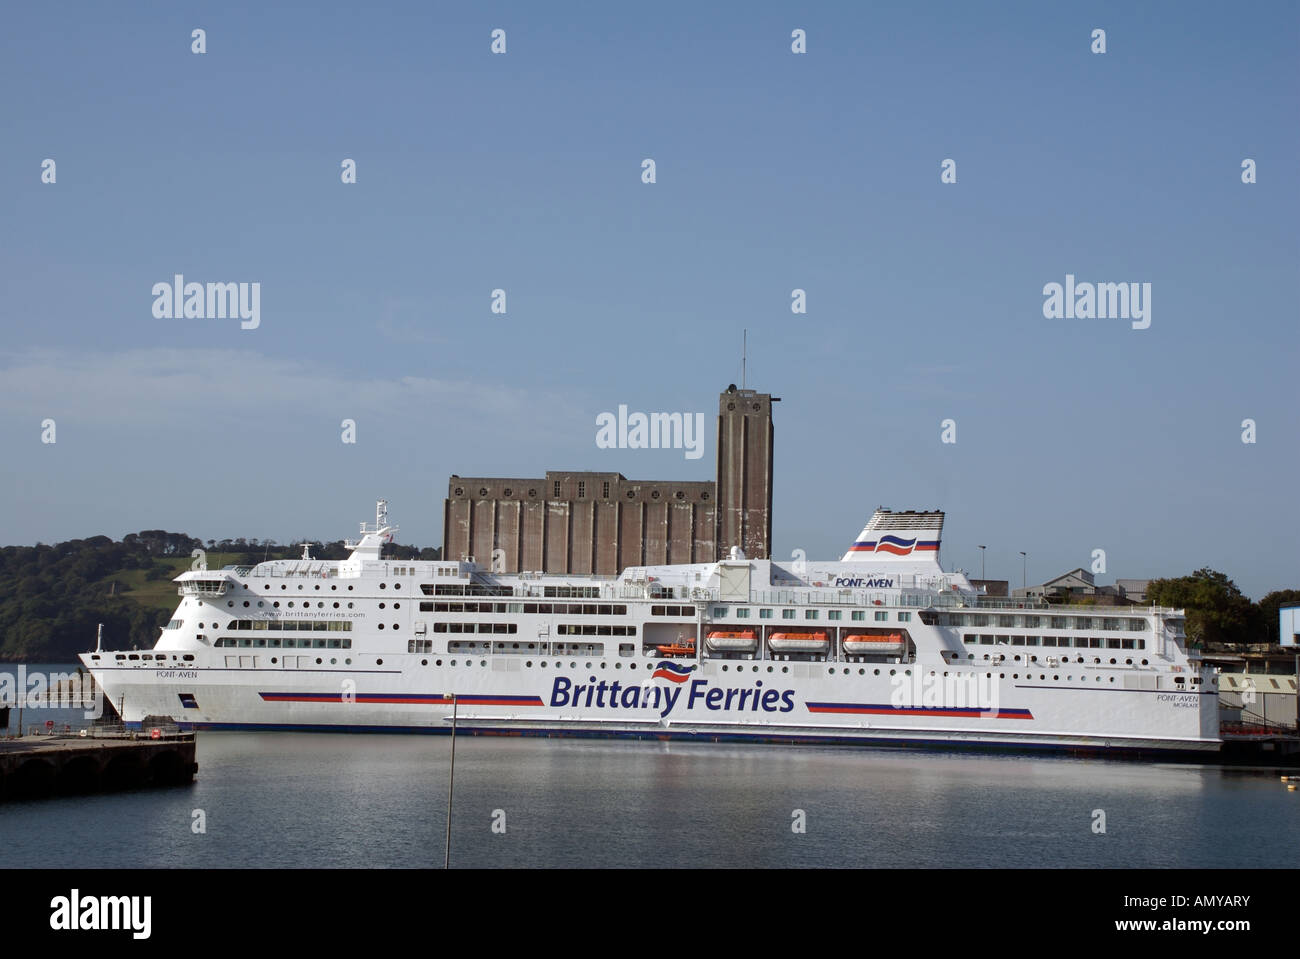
(602, 523)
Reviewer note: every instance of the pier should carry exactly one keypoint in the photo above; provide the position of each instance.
(1260, 743)
(35, 767)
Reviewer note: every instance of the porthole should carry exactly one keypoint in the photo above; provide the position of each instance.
(654, 494)
(230, 602)
(318, 587)
(482, 491)
(291, 604)
(424, 662)
(381, 605)
(282, 586)
(862, 672)
(875, 672)
(785, 669)
(347, 662)
(460, 491)
(383, 586)
(349, 590)
(602, 663)
(274, 660)
(532, 493)
(482, 662)
(260, 604)
(453, 662)
(1112, 662)
(397, 606)
(318, 660)
(349, 605)
(543, 664)
(508, 491)
(631, 494)
(616, 665)
(336, 605)
(396, 626)
(266, 586)
(381, 625)
(276, 604)
(529, 664)
(1002, 675)
(333, 661)
(680, 495)
(397, 586)
(214, 625)
(724, 667)
(589, 665)
(319, 605)
(333, 587)
(438, 662)
(245, 604)
(300, 586)
(704, 495)
(379, 662)
(1056, 678)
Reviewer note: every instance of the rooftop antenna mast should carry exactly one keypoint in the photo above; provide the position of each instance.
(744, 355)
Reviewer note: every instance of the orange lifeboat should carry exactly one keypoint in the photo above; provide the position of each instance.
(861, 644)
(677, 649)
(798, 642)
(732, 641)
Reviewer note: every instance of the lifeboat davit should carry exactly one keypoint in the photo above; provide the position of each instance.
(889, 644)
(732, 641)
(677, 649)
(798, 642)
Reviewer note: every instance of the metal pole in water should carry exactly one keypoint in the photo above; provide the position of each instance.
(451, 782)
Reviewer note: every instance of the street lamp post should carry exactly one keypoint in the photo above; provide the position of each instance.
(981, 549)
(1024, 570)
(451, 781)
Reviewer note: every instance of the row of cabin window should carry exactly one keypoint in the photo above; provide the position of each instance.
(1109, 623)
(834, 615)
(288, 642)
(473, 589)
(1078, 642)
(590, 629)
(505, 629)
(567, 609)
(290, 625)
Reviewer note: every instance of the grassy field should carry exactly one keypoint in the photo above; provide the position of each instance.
(152, 594)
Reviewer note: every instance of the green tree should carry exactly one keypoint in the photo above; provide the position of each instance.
(1217, 612)
(1269, 605)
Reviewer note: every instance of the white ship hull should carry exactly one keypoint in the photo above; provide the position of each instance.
(368, 645)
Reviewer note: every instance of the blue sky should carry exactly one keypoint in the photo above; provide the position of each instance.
(775, 171)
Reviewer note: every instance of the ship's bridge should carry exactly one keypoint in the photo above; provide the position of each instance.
(202, 582)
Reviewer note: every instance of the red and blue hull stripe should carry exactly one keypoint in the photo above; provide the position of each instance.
(426, 699)
(884, 709)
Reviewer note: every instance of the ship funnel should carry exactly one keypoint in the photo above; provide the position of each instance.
(910, 535)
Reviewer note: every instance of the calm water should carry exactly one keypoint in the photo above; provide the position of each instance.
(334, 800)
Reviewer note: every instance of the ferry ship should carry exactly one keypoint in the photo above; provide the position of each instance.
(882, 647)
